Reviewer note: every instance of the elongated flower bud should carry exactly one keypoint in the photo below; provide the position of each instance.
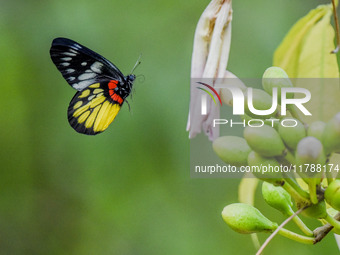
(261, 100)
(232, 150)
(310, 159)
(264, 140)
(277, 198)
(276, 77)
(264, 164)
(292, 135)
(332, 194)
(317, 211)
(310, 153)
(246, 219)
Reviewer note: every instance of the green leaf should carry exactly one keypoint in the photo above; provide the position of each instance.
(316, 60)
(305, 53)
(287, 54)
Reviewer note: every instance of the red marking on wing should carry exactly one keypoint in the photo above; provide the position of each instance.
(113, 84)
(115, 97)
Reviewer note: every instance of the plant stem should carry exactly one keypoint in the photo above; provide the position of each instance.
(286, 233)
(332, 221)
(289, 157)
(255, 240)
(296, 237)
(302, 226)
(329, 175)
(321, 232)
(297, 187)
(299, 198)
(312, 189)
(329, 178)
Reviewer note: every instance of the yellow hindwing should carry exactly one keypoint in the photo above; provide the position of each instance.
(90, 112)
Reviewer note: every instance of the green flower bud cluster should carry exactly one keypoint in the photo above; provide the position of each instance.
(309, 189)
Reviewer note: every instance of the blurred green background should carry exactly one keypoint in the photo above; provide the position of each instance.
(128, 190)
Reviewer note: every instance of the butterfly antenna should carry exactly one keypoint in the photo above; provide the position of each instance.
(137, 63)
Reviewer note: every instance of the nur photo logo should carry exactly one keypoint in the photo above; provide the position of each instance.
(204, 97)
(265, 107)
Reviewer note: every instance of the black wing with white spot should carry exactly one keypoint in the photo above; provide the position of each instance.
(81, 66)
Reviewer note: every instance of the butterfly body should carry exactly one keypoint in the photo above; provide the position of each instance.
(102, 88)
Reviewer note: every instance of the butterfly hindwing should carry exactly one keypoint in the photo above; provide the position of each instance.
(92, 110)
(81, 66)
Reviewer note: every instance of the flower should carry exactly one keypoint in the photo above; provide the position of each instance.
(209, 60)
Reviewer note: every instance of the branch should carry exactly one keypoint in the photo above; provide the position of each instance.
(321, 232)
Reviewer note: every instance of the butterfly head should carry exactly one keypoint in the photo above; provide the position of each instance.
(130, 79)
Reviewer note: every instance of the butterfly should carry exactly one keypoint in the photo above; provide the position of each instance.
(102, 88)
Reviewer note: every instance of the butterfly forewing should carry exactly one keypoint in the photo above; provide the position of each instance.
(81, 66)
